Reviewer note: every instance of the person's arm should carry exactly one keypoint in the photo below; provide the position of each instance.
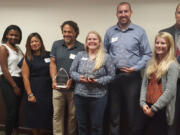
(110, 72)
(146, 109)
(4, 67)
(25, 74)
(145, 52)
(170, 88)
(53, 72)
(74, 70)
(143, 91)
(106, 42)
(74, 66)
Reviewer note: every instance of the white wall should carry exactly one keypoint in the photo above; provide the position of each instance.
(46, 16)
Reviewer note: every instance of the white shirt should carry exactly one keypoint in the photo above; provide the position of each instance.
(13, 60)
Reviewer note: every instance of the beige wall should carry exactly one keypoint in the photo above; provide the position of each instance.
(45, 16)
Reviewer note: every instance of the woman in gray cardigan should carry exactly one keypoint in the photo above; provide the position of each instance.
(158, 91)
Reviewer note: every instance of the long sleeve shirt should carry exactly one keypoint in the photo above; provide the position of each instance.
(82, 65)
(168, 98)
(128, 48)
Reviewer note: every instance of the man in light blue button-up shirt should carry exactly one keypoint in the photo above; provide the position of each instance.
(129, 48)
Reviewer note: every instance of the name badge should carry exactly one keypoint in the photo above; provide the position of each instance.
(114, 39)
(72, 56)
(83, 58)
(47, 60)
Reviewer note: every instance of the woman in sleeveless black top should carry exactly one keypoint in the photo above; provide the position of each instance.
(37, 82)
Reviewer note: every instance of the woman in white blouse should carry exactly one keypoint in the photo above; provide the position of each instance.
(11, 84)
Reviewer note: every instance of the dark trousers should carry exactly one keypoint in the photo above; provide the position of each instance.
(12, 103)
(90, 114)
(124, 96)
(156, 125)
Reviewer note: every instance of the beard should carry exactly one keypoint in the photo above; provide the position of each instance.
(124, 23)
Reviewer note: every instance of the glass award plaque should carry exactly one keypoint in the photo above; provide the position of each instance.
(61, 78)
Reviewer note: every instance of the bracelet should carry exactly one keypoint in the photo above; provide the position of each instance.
(30, 95)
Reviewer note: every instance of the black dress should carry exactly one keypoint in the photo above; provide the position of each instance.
(39, 114)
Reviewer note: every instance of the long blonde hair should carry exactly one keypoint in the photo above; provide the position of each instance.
(161, 68)
(100, 56)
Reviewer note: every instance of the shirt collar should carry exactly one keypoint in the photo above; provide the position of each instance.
(75, 44)
(130, 27)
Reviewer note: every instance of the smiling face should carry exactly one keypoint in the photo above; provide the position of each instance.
(92, 42)
(12, 37)
(161, 47)
(69, 34)
(35, 44)
(123, 14)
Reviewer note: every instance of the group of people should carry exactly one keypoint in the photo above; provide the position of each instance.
(102, 75)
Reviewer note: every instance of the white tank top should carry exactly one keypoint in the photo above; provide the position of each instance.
(13, 60)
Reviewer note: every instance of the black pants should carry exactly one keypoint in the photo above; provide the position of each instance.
(156, 125)
(12, 103)
(124, 96)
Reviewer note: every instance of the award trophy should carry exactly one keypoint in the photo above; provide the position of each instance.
(61, 78)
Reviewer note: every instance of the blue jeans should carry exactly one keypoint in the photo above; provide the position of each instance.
(90, 113)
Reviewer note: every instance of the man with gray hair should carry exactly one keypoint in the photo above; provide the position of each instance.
(62, 54)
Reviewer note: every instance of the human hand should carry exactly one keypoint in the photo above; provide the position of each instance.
(145, 108)
(91, 80)
(150, 113)
(69, 83)
(128, 70)
(147, 111)
(17, 90)
(54, 85)
(83, 79)
(32, 99)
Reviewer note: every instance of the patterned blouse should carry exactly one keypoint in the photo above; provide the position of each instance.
(154, 90)
(83, 66)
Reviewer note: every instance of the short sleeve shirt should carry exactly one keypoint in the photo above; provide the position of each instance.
(64, 56)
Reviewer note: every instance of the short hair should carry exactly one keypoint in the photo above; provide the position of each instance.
(73, 25)
(177, 7)
(125, 3)
(12, 27)
(29, 52)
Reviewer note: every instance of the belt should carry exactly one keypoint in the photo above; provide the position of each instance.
(118, 71)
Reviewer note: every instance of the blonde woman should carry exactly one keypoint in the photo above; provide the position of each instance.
(158, 91)
(92, 70)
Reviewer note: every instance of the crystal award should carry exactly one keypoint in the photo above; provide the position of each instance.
(61, 78)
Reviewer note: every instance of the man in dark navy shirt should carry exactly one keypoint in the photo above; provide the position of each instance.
(62, 54)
